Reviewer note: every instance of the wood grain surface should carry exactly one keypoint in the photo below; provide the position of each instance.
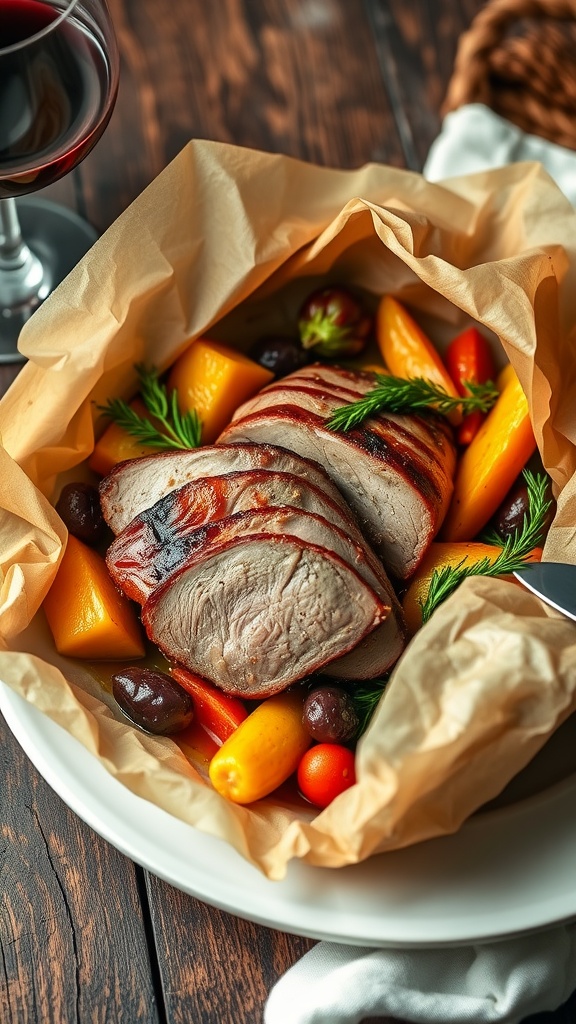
(85, 935)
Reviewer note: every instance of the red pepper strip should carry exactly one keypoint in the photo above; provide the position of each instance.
(213, 709)
(469, 358)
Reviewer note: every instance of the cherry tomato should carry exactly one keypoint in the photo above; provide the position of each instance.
(325, 771)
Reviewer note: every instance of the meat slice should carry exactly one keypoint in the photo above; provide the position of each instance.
(147, 550)
(139, 579)
(413, 436)
(137, 484)
(395, 471)
(327, 373)
(258, 612)
(154, 544)
(352, 383)
(349, 385)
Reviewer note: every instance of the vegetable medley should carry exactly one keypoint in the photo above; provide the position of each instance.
(500, 509)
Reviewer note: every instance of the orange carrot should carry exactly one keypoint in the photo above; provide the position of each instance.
(213, 709)
(408, 352)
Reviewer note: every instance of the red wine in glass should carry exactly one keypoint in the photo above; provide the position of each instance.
(58, 85)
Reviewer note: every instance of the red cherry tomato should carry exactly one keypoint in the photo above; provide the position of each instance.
(325, 771)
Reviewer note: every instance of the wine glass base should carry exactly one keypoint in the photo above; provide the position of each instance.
(59, 238)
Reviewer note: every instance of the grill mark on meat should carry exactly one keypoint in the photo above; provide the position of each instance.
(398, 457)
(384, 502)
(139, 562)
(420, 451)
(380, 446)
(138, 568)
(427, 446)
(211, 498)
(362, 383)
(136, 484)
(355, 379)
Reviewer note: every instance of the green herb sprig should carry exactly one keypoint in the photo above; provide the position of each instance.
(366, 697)
(397, 394)
(171, 429)
(514, 552)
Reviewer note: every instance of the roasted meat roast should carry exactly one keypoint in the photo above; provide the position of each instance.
(265, 557)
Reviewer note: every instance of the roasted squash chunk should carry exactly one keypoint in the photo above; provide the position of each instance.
(87, 615)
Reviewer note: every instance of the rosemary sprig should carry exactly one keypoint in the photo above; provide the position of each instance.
(397, 394)
(513, 555)
(366, 697)
(172, 428)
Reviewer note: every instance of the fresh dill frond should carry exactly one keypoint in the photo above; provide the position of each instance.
(399, 394)
(168, 428)
(515, 549)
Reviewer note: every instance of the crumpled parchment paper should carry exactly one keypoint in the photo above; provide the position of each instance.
(225, 243)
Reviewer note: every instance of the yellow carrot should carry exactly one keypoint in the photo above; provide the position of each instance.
(491, 462)
(408, 352)
(264, 750)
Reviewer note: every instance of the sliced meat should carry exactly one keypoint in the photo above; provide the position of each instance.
(256, 613)
(137, 484)
(140, 572)
(154, 544)
(411, 435)
(349, 385)
(147, 550)
(395, 471)
(358, 381)
(139, 577)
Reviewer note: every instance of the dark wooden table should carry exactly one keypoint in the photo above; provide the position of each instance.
(86, 935)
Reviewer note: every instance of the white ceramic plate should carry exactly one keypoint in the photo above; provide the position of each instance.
(506, 871)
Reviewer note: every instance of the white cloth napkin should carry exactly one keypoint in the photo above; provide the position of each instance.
(502, 981)
(499, 981)
(474, 138)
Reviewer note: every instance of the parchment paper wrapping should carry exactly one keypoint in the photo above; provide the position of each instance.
(225, 242)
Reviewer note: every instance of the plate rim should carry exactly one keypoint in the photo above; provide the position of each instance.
(33, 730)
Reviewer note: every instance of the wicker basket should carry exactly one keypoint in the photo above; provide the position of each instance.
(519, 58)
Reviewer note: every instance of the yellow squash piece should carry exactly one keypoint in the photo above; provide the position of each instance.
(215, 379)
(87, 615)
(117, 445)
(438, 556)
(491, 462)
(264, 751)
(408, 352)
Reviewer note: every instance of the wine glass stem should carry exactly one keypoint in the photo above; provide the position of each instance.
(24, 282)
(13, 251)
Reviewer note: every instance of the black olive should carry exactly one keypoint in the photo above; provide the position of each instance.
(79, 508)
(152, 700)
(281, 355)
(329, 715)
(509, 517)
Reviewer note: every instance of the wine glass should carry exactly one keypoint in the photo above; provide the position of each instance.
(59, 70)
